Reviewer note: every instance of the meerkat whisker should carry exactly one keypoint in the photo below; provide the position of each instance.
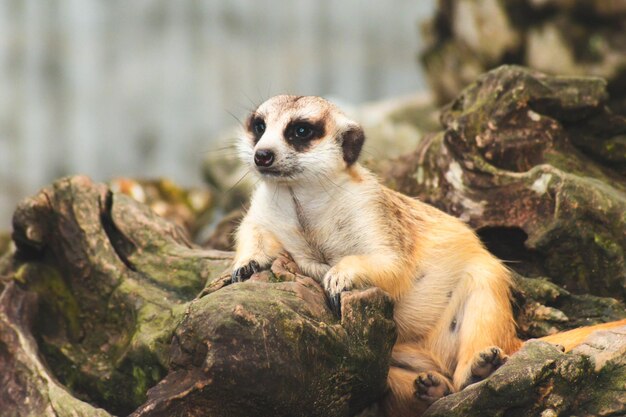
(238, 182)
(237, 119)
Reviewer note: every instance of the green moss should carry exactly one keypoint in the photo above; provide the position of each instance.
(65, 405)
(140, 382)
(184, 281)
(272, 278)
(67, 371)
(116, 359)
(540, 289)
(607, 384)
(608, 244)
(56, 298)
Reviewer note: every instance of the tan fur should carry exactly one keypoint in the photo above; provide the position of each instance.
(260, 244)
(354, 174)
(572, 338)
(345, 229)
(403, 402)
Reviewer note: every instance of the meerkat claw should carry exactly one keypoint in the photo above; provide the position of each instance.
(245, 272)
(335, 304)
(336, 282)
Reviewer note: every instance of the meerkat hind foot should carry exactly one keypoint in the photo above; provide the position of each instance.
(485, 363)
(431, 386)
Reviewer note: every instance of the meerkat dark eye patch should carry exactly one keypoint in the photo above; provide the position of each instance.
(256, 126)
(300, 133)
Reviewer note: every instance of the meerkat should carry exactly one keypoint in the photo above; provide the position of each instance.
(343, 228)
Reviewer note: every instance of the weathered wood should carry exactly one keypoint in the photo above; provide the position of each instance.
(112, 278)
(28, 388)
(114, 286)
(271, 346)
(541, 380)
(505, 163)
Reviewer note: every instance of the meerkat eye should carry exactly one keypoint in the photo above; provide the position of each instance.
(259, 127)
(302, 131)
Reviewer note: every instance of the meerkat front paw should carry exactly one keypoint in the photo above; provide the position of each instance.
(244, 272)
(336, 282)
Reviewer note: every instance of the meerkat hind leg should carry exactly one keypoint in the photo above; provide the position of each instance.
(411, 393)
(486, 332)
(416, 379)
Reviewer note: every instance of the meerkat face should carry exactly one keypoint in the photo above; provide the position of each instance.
(295, 138)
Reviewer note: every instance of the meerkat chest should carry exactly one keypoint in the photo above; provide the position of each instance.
(317, 228)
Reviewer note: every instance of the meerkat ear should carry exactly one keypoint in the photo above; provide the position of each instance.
(351, 143)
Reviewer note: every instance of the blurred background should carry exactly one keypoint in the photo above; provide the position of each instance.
(145, 88)
(142, 88)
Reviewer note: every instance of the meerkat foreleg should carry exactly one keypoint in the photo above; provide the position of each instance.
(256, 250)
(311, 267)
(384, 271)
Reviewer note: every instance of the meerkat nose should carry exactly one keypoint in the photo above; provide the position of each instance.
(263, 158)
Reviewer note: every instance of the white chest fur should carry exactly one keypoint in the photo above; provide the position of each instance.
(318, 224)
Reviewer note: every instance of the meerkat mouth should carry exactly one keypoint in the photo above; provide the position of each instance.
(274, 172)
(277, 172)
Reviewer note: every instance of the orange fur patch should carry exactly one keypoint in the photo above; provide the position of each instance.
(354, 175)
(575, 337)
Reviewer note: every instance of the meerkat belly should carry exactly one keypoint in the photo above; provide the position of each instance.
(430, 302)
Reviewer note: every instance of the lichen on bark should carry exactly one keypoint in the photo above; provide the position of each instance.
(111, 279)
(257, 348)
(118, 300)
(506, 161)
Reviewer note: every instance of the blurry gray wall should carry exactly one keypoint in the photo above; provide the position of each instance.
(118, 87)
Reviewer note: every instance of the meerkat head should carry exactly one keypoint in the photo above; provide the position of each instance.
(295, 138)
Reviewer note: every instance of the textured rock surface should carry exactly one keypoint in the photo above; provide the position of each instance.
(98, 303)
(545, 308)
(28, 388)
(281, 354)
(540, 380)
(395, 126)
(506, 164)
(469, 37)
(190, 209)
(223, 236)
(111, 279)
